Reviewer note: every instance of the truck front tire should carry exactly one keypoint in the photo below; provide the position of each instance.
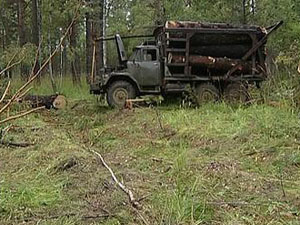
(118, 92)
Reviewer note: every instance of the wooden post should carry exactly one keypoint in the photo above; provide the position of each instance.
(93, 64)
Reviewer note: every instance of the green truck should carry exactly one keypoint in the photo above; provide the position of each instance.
(210, 59)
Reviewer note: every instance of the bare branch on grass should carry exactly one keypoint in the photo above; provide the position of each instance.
(158, 116)
(128, 192)
(3, 132)
(16, 144)
(5, 92)
(134, 203)
(68, 215)
(10, 118)
(21, 96)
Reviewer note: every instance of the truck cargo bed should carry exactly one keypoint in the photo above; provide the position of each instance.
(194, 49)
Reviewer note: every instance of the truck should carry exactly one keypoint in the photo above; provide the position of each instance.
(211, 60)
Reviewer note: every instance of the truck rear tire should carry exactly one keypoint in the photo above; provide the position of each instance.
(118, 92)
(206, 93)
(236, 93)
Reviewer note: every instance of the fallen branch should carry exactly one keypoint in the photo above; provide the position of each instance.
(158, 118)
(237, 203)
(128, 192)
(84, 217)
(3, 132)
(20, 115)
(5, 92)
(12, 65)
(16, 144)
(21, 96)
(141, 216)
(9, 65)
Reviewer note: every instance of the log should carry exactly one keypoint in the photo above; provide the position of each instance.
(229, 51)
(223, 64)
(49, 101)
(199, 25)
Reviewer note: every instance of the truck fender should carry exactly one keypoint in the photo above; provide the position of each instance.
(123, 78)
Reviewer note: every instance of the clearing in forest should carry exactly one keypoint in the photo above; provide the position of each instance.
(213, 165)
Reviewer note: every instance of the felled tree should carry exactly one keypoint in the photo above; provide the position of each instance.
(6, 103)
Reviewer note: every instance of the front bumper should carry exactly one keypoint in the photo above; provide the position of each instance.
(97, 89)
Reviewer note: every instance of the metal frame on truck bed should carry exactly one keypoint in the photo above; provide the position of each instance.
(184, 31)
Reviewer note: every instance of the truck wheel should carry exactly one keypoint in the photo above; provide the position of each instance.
(118, 92)
(206, 93)
(236, 93)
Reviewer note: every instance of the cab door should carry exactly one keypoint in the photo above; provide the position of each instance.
(150, 68)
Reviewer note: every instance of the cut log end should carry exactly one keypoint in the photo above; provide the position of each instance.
(60, 102)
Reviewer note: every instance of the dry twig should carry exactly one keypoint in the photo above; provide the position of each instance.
(10, 65)
(5, 92)
(128, 192)
(20, 115)
(16, 144)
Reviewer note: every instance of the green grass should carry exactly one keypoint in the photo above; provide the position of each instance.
(217, 164)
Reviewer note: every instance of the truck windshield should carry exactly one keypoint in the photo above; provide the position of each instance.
(137, 55)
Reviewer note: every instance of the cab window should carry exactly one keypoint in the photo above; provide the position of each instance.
(149, 55)
(137, 55)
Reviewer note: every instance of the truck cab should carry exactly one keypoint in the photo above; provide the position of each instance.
(138, 75)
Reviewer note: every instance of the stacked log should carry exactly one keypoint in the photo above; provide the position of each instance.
(189, 24)
(222, 64)
(229, 51)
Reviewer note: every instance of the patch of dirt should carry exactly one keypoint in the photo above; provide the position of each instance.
(66, 164)
(221, 167)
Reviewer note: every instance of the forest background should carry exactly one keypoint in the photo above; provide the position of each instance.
(24, 24)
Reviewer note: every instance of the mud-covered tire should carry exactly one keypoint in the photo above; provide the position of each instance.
(236, 93)
(118, 92)
(206, 93)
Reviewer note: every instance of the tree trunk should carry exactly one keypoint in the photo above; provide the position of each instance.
(105, 17)
(35, 29)
(244, 12)
(89, 47)
(97, 31)
(21, 30)
(75, 63)
(159, 20)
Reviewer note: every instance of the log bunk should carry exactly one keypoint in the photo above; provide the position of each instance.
(214, 50)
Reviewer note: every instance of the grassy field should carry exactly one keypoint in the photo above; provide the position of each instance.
(217, 164)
